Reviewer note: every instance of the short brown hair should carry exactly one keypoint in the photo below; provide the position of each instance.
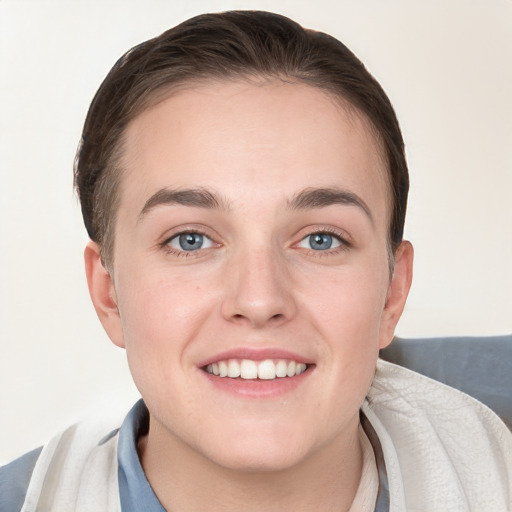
(224, 46)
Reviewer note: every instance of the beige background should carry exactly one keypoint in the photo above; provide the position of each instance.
(446, 64)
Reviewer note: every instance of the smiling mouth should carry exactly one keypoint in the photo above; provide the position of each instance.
(247, 369)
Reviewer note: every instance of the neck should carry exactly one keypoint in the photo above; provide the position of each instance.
(185, 481)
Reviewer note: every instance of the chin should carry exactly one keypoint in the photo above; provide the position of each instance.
(261, 452)
(262, 462)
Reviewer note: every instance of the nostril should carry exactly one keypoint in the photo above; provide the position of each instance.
(258, 321)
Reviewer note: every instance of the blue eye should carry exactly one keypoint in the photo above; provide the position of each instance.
(190, 242)
(320, 242)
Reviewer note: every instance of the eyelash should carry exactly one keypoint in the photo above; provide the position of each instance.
(344, 243)
(182, 253)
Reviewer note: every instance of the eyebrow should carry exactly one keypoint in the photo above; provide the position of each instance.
(309, 198)
(323, 197)
(197, 197)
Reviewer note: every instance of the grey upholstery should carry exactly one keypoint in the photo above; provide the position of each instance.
(479, 366)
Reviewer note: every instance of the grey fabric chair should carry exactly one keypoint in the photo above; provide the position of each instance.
(479, 366)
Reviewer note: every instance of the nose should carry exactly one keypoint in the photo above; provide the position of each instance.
(259, 290)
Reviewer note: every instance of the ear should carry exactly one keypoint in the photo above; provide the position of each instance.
(398, 290)
(103, 294)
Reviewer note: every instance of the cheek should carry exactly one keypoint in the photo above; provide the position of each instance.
(158, 319)
(346, 310)
(348, 301)
(158, 312)
(162, 311)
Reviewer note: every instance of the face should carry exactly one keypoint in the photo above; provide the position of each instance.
(250, 283)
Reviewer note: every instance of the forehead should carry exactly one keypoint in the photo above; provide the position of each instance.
(243, 136)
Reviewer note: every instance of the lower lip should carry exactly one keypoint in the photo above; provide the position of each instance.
(258, 388)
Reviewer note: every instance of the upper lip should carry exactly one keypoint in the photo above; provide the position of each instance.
(255, 354)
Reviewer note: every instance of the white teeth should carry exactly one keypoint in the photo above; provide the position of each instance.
(267, 370)
(223, 369)
(301, 368)
(248, 369)
(233, 369)
(281, 368)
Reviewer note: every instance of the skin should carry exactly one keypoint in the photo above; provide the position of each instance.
(256, 284)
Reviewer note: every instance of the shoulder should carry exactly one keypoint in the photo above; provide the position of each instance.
(447, 445)
(83, 457)
(397, 390)
(14, 480)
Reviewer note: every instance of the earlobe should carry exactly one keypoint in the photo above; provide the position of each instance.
(398, 291)
(103, 295)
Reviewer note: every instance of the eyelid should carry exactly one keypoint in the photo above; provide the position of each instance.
(182, 230)
(340, 234)
(345, 241)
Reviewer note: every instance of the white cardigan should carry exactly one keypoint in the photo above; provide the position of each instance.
(443, 451)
